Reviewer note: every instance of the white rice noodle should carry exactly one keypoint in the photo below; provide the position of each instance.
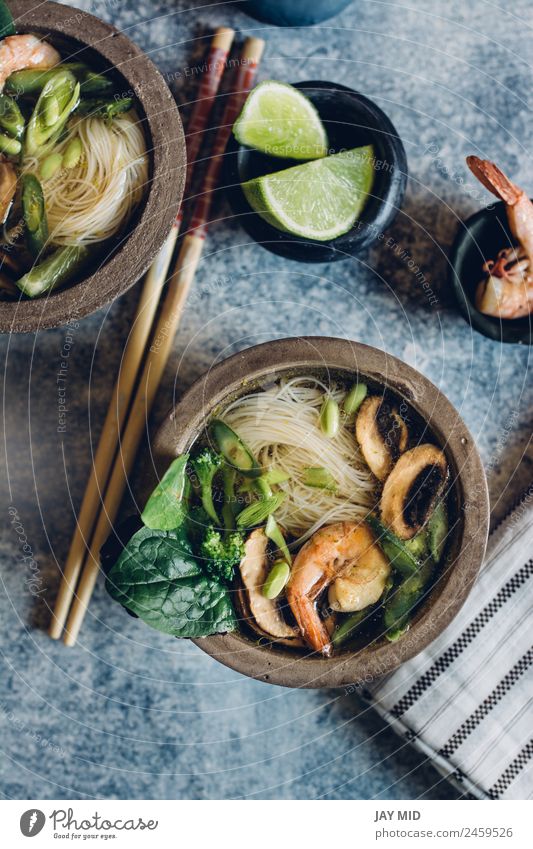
(94, 200)
(281, 427)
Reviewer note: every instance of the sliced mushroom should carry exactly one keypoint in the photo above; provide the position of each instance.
(262, 614)
(412, 488)
(8, 185)
(382, 434)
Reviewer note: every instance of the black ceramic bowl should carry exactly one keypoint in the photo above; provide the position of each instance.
(351, 120)
(480, 238)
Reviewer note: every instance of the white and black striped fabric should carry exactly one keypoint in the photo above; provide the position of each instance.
(467, 701)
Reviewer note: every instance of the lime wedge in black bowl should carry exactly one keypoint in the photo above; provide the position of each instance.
(351, 120)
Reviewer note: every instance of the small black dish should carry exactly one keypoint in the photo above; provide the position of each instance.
(480, 238)
(351, 120)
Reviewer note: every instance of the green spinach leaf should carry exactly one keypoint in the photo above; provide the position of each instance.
(167, 506)
(157, 578)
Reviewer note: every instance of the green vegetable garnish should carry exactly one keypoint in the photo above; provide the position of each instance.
(233, 449)
(330, 418)
(31, 81)
(418, 545)
(11, 118)
(273, 532)
(277, 579)
(100, 108)
(50, 165)
(59, 97)
(167, 506)
(319, 478)
(73, 152)
(437, 531)
(349, 626)
(402, 600)
(158, 579)
(9, 145)
(53, 271)
(220, 553)
(34, 214)
(354, 398)
(7, 26)
(205, 465)
(394, 548)
(229, 510)
(275, 476)
(259, 511)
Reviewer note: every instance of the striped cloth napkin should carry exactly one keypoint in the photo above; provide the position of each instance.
(467, 700)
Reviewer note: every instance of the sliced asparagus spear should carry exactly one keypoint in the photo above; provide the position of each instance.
(55, 270)
(34, 214)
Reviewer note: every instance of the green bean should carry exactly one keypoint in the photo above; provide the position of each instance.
(277, 579)
(10, 146)
(401, 601)
(403, 560)
(229, 475)
(330, 418)
(73, 152)
(354, 398)
(319, 478)
(275, 476)
(30, 81)
(259, 511)
(50, 166)
(61, 90)
(262, 487)
(34, 214)
(11, 118)
(348, 628)
(55, 270)
(437, 531)
(273, 532)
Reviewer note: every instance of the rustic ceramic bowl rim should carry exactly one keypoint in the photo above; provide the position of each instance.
(185, 422)
(133, 256)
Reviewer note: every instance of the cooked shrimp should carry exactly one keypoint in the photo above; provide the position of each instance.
(507, 292)
(8, 185)
(25, 51)
(363, 584)
(332, 553)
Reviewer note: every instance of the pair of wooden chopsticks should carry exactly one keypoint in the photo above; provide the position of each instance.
(123, 431)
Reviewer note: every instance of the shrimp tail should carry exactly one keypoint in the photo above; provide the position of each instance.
(311, 626)
(494, 180)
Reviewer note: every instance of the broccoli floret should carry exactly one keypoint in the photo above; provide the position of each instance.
(205, 465)
(221, 552)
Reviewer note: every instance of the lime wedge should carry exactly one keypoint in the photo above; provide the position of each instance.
(279, 120)
(318, 200)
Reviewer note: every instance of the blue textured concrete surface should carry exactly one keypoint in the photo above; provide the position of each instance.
(130, 713)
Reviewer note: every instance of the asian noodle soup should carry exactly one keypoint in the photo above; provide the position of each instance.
(311, 513)
(73, 167)
(359, 520)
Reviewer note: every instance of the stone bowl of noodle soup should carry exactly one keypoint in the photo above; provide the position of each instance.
(80, 37)
(225, 390)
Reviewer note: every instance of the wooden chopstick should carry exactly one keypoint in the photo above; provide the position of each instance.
(162, 339)
(137, 340)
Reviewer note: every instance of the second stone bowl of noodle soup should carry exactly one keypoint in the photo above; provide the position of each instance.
(116, 263)
(431, 419)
